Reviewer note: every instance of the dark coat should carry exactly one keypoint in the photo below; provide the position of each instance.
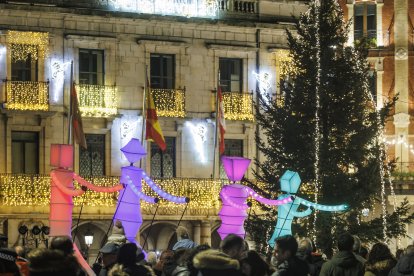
(292, 267)
(380, 268)
(404, 266)
(343, 263)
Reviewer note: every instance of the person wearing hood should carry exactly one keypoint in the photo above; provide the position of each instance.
(380, 261)
(343, 263)
(215, 263)
(405, 265)
(184, 240)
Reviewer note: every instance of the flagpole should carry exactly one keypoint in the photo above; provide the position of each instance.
(216, 128)
(70, 105)
(144, 116)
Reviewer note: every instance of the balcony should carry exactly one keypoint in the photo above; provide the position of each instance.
(369, 36)
(34, 190)
(169, 102)
(97, 100)
(236, 6)
(27, 95)
(238, 106)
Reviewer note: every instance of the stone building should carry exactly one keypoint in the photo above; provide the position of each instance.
(112, 47)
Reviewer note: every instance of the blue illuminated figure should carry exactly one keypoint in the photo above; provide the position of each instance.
(289, 183)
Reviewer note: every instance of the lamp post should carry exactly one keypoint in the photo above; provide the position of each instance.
(88, 241)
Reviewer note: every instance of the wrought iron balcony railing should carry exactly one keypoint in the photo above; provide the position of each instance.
(236, 6)
(97, 100)
(34, 190)
(238, 106)
(27, 95)
(169, 102)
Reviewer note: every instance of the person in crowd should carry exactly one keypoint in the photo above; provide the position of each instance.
(344, 262)
(151, 258)
(3, 241)
(363, 252)
(398, 253)
(127, 257)
(356, 248)
(405, 265)
(234, 246)
(306, 253)
(166, 257)
(62, 243)
(21, 260)
(183, 238)
(178, 263)
(285, 260)
(117, 270)
(215, 263)
(8, 264)
(380, 261)
(49, 262)
(109, 254)
(254, 265)
(190, 259)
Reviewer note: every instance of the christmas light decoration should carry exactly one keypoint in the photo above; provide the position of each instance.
(97, 100)
(187, 8)
(289, 183)
(199, 135)
(238, 106)
(264, 83)
(25, 44)
(284, 64)
(169, 102)
(27, 95)
(57, 70)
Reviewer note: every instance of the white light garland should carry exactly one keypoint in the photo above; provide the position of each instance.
(263, 80)
(199, 135)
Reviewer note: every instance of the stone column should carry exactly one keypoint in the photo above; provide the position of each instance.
(197, 232)
(205, 233)
(350, 7)
(380, 34)
(401, 122)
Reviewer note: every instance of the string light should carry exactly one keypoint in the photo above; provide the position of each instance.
(97, 100)
(25, 44)
(169, 102)
(27, 95)
(238, 106)
(285, 64)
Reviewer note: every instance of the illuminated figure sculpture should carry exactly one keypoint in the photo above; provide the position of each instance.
(289, 183)
(233, 212)
(128, 206)
(61, 193)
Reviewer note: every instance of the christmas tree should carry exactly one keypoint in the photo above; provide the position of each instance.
(328, 130)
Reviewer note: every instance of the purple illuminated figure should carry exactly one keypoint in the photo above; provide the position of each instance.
(128, 206)
(233, 212)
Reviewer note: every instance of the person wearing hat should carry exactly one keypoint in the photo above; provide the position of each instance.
(184, 240)
(109, 256)
(8, 262)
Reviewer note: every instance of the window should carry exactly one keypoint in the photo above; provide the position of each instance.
(162, 71)
(232, 147)
(163, 163)
(92, 160)
(24, 70)
(365, 24)
(91, 67)
(372, 79)
(231, 78)
(25, 152)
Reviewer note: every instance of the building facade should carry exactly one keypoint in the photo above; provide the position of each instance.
(112, 50)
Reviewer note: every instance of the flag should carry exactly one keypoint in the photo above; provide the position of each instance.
(221, 121)
(152, 126)
(77, 126)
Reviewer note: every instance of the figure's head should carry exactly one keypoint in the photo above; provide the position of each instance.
(61, 156)
(133, 151)
(290, 182)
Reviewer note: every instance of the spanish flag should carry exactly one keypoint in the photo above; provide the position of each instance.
(77, 125)
(152, 126)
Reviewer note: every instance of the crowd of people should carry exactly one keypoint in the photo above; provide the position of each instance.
(290, 258)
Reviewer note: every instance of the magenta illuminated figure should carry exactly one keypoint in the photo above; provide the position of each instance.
(129, 207)
(234, 198)
(61, 193)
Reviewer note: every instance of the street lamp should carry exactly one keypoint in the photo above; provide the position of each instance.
(88, 238)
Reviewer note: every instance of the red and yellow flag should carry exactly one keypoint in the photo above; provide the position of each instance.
(77, 125)
(221, 121)
(152, 126)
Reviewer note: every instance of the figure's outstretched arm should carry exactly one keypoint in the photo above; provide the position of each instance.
(297, 214)
(95, 188)
(162, 193)
(140, 194)
(63, 188)
(329, 208)
(266, 201)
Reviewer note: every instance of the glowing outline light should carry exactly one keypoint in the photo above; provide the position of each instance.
(199, 134)
(57, 73)
(263, 79)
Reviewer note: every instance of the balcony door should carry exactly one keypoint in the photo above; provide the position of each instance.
(24, 69)
(25, 152)
(92, 160)
(91, 67)
(162, 71)
(231, 74)
(163, 162)
(365, 21)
